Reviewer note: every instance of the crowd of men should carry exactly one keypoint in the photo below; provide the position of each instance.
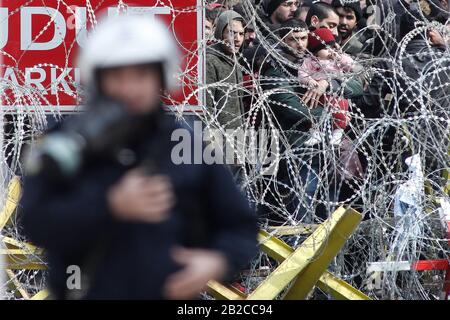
(316, 60)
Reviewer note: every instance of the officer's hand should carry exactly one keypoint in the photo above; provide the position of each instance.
(200, 266)
(142, 198)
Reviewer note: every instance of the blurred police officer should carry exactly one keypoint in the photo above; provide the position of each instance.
(137, 225)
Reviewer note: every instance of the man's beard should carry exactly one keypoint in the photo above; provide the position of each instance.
(249, 43)
(280, 18)
(345, 34)
(289, 50)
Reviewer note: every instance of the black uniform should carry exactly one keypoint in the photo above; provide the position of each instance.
(73, 223)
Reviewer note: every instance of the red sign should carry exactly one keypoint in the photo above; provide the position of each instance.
(39, 43)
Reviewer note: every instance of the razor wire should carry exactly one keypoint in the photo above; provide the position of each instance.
(384, 235)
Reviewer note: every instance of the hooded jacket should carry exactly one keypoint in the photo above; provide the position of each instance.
(223, 72)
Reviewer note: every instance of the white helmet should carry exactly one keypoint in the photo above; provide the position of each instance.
(130, 40)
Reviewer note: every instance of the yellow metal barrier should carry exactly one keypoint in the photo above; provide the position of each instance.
(306, 266)
(11, 201)
(301, 269)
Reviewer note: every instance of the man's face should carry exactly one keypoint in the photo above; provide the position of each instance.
(297, 41)
(233, 35)
(331, 22)
(138, 87)
(208, 29)
(285, 11)
(347, 22)
(249, 37)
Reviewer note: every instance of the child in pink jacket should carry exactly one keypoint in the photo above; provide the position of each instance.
(325, 64)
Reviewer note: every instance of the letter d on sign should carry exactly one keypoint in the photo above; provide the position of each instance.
(26, 18)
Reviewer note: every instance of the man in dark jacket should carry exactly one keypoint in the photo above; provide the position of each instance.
(423, 83)
(295, 110)
(415, 85)
(137, 224)
(350, 14)
(279, 76)
(270, 14)
(420, 60)
(279, 11)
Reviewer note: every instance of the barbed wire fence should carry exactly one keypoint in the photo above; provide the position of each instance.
(417, 233)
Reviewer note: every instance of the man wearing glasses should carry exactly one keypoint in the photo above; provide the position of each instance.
(279, 11)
